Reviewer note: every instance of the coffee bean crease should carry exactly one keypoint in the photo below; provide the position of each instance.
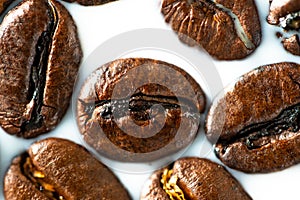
(38, 74)
(217, 26)
(257, 135)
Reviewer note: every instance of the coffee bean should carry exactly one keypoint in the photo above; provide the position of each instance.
(90, 2)
(4, 4)
(59, 169)
(255, 123)
(227, 30)
(286, 14)
(193, 178)
(137, 109)
(39, 58)
(292, 44)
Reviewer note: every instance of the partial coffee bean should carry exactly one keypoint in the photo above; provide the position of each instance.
(139, 109)
(193, 178)
(39, 58)
(60, 169)
(292, 44)
(4, 4)
(255, 123)
(286, 13)
(227, 30)
(90, 2)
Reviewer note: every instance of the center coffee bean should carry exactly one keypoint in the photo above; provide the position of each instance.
(139, 109)
(255, 125)
(39, 58)
(227, 30)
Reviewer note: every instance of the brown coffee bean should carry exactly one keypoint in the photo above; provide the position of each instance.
(255, 123)
(4, 4)
(193, 178)
(227, 30)
(59, 169)
(292, 44)
(139, 109)
(90, 2)
(40, 55)
(286, 12)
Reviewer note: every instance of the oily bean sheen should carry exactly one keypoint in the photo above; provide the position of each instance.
(226, 29)
(39, 58)
(255, 123)
(139, 109)
(90, 2)
(193, 178)
(59, 169)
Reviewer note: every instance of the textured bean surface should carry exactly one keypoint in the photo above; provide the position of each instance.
(286, 14)
(209, 25)
(292, 44)
(71, 169)
(198, 179)
(281, 8)
(163, 108)
(255, 123)
(40, 55)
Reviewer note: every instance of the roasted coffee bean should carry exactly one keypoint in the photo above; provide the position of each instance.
(4, 4)
(227, 30)
(286, 13)
(39, 58)
(292, 44)
(139, 109)
(193, 178)
(90, 2)
(255, 123)
(59, 169)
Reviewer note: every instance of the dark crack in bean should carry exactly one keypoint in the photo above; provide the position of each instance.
(38, 67)
(255, 124)
(128, 108)
(257, 135)
(38, 73)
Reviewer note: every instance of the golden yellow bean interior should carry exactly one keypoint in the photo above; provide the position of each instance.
(170, 186)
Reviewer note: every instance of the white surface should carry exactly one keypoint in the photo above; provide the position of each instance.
(100, 23)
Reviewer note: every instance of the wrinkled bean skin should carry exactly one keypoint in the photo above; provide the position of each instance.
(255, 123)
(205, 24)
(198, 178)
(130, 133)
(70, 168)
(40, 56)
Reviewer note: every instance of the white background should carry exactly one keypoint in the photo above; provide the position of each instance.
(100, 23)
